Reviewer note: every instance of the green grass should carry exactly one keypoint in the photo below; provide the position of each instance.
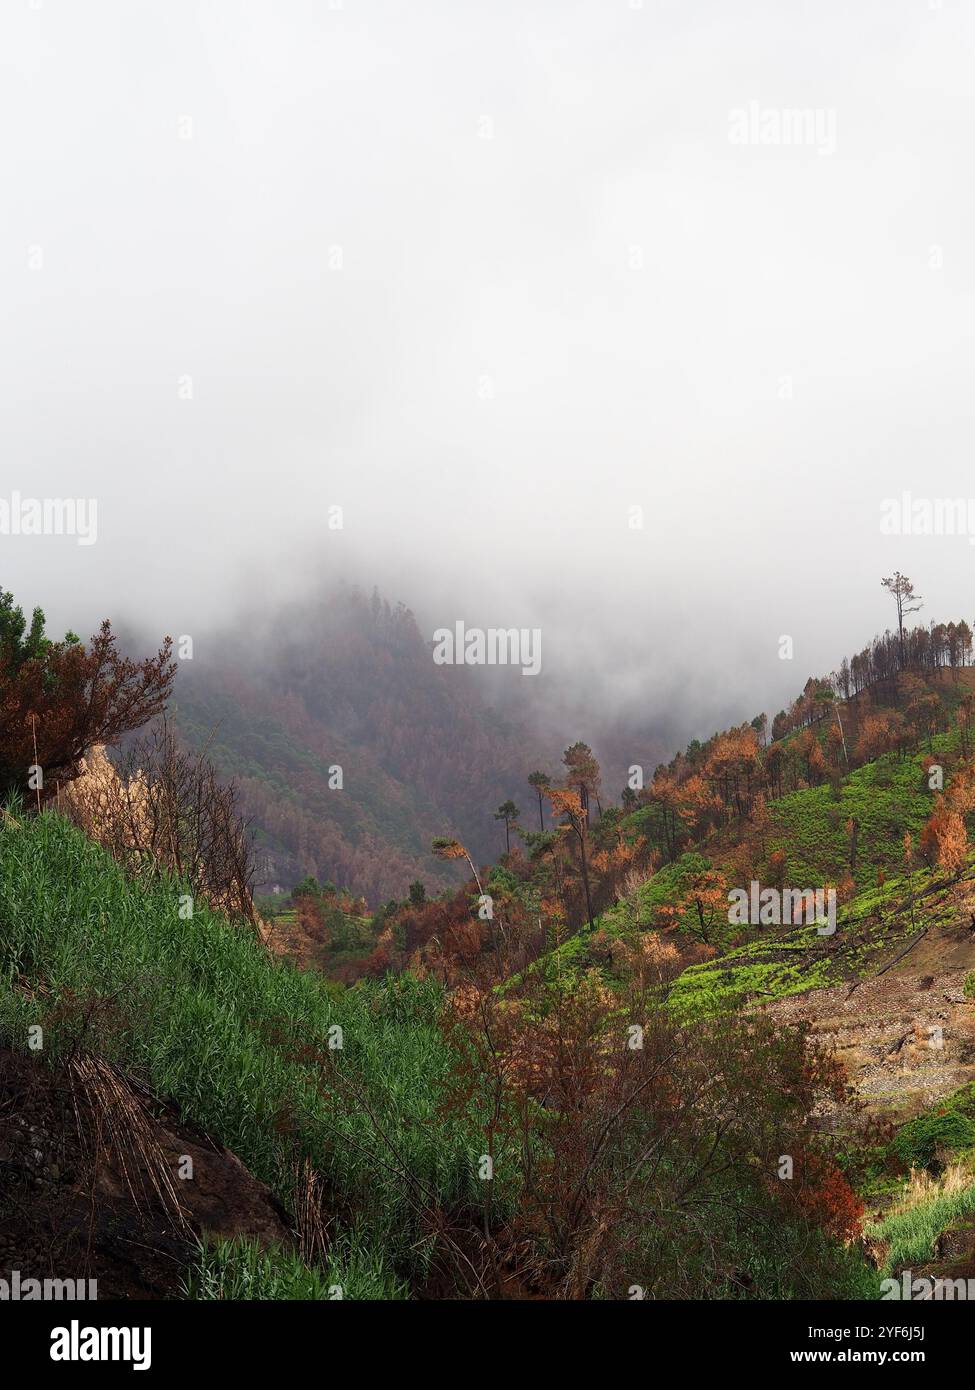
(244, 1270)
(886, 797)
(911, 1234)
(756, 971)
(945, 1132)
(240, 1041)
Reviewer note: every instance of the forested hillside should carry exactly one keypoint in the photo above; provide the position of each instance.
(350, 684)
(714, 1042)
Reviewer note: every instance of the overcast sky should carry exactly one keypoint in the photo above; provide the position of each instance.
(487, 275)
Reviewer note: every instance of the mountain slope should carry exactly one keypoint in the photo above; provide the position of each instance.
(350, 683)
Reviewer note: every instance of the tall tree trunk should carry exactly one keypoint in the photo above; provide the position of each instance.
(585, 877)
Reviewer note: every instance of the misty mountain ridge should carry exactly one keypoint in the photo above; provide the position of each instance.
(346, 691)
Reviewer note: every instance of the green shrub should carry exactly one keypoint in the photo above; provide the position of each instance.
(918, 1142)
(963, 1101)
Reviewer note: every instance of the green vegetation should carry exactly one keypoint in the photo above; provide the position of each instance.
(910, 1235)
(940, 1133)
(198, 1011)
(605, 1009)
(756, 971)
(242, 1269)
(943, 1135)
(886, 798)
(775, 963)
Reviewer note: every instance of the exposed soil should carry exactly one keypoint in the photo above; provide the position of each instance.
(885, 1030)
(75, 1203)
(907, 1039)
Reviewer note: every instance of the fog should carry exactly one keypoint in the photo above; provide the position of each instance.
(487, 277)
